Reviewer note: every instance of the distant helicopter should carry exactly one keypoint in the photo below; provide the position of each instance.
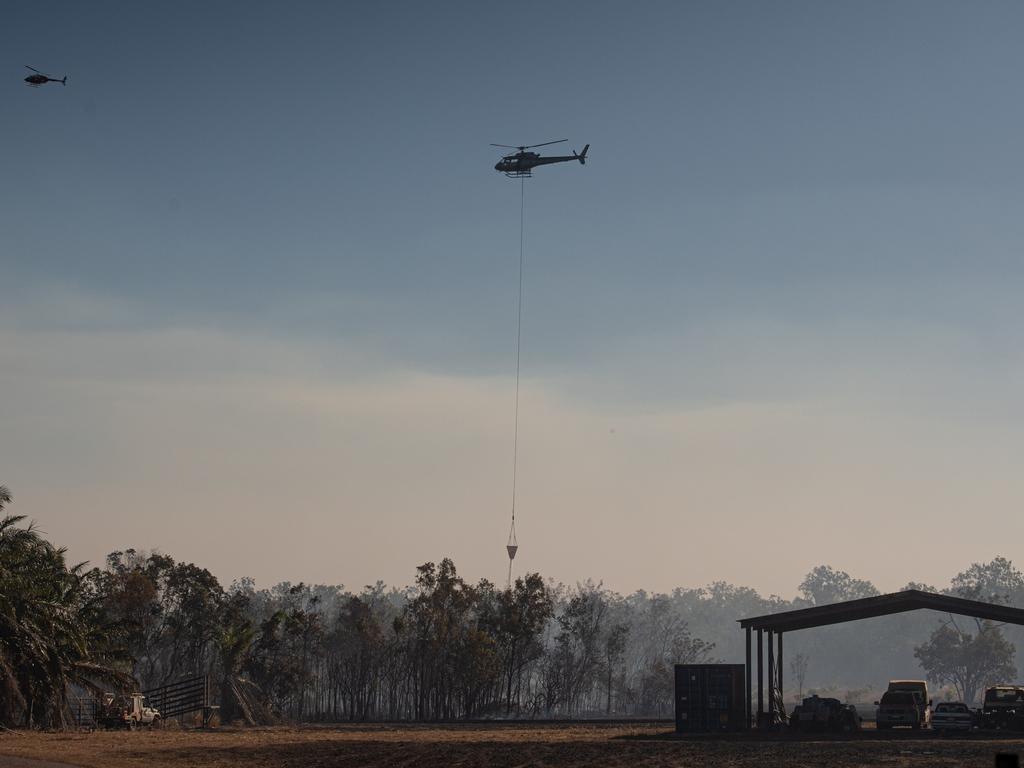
(40, 79)
(521, 164)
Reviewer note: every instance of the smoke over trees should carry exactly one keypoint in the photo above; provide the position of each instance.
(443, 647)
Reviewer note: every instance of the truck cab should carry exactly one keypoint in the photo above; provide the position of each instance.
(139, 713)
(1003, 707)
(917, 687)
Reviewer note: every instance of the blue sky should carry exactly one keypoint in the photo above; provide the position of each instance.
(261, 245)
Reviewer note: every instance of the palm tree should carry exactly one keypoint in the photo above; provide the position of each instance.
(51, 633)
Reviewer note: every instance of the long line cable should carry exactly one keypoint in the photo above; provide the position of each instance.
(519, 344)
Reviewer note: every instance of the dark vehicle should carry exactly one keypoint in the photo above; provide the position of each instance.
(37, 79)
(820, 714)
(521, 164)
(901, 708)
(953, 716)
(1003, 708)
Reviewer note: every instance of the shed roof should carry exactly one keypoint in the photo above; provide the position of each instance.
(882, 605)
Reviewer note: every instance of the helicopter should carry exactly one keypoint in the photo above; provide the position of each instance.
(40, 79)
(521, 164)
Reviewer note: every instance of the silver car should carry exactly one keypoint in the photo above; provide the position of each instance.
(952, 716)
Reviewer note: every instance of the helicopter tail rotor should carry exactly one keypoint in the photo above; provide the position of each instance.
(582, 156)
(65, 82)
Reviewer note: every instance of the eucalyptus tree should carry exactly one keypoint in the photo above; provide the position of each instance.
(516, 617)
(968, 661)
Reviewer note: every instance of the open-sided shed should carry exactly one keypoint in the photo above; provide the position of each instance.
(777, 624)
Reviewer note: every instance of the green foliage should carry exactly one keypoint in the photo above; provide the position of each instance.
(516, 619)
(995, 582)
(968, 662)
(52, 636)
(824, 585)
(168, 612)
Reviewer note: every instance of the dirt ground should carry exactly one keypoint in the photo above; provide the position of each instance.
(492, 745)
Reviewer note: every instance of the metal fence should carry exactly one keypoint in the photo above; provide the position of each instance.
(181, 697)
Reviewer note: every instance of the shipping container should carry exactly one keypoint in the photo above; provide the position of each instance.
(710, 697)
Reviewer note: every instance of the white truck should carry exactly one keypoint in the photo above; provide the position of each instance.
(127, 711)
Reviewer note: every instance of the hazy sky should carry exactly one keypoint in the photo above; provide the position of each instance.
(259, 281)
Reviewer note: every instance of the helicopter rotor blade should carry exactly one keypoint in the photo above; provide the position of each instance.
(531, 146)
(507, 146)
(33, 69)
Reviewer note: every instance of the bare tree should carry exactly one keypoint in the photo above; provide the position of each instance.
(614, 649)
(798, 666)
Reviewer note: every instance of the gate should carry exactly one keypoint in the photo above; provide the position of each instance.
(182, 697)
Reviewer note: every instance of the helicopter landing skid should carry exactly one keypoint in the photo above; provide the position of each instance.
(519, 174)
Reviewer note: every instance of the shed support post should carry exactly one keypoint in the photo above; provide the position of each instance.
(782, 701)
(760, 677)
(746, 703)
(771, 677)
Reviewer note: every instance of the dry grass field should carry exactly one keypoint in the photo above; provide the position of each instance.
(487, 746)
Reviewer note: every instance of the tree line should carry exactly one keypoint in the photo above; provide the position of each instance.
(443, 648)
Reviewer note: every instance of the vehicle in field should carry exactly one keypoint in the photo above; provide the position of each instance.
(1003, 707)
(824, 714)
(901, 709)
(126, 711)
(953, 716)
(917, 687)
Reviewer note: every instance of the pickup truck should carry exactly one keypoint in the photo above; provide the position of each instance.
(1003, 707)
(126, 711)
(953, 716)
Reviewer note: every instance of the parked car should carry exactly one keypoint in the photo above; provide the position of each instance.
(823, 714)
(1003, 707)
(901, 708)
(953, 716)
